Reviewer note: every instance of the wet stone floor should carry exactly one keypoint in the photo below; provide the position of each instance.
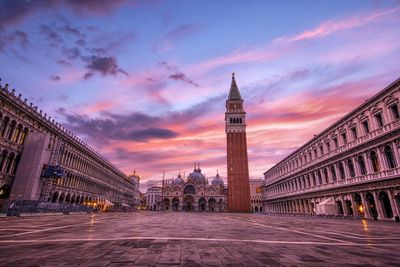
(196, 239)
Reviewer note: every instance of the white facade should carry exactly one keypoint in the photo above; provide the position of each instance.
(153, 198)
(353, 166)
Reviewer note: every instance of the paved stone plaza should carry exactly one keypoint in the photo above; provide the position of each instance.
(196, 239)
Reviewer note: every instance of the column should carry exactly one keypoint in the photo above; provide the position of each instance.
(368, 163)
(378, 205)
(344, 206)
(382, 161)
(346, 170)
(356, 166)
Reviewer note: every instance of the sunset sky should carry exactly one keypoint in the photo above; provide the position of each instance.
(145, 82)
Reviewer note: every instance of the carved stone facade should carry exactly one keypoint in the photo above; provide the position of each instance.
(256, 187)
(194, 194)
(351, 168)
(237, 160)
(40, 161)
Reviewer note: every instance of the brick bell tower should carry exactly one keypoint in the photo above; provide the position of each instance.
(236, 142)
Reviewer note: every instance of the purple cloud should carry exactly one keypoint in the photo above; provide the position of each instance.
(134, 127)
(15, 11)
(180, 76)
(55, 78)
(104, 66)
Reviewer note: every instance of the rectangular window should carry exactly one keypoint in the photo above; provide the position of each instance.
(328, 147)
(365, 126)
(379, 119)
(321, 150)
(310, 156)
(395, 111)
(315, 153)
(344, 138)
(354, 133)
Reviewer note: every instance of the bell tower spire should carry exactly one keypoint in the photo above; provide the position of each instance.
(237, 160)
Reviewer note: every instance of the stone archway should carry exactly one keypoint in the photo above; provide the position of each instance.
(188, 203)
(202, 204)
(165, 204)
(371, 204)
(212, 205)
(384, 201)
(175, 204)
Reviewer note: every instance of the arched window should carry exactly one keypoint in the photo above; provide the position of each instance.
(23, 136)
(375, 161)
(230, 120)
(9, 162)
(361, 164)
(17, 133)
(341, 171)
(240, 120)
(3, 158)
(333, 172)
(4, 125)
(189, 189)
(11, 130)
(391, 162)
(351, 168)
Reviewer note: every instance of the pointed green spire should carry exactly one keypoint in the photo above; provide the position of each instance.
(234, 90)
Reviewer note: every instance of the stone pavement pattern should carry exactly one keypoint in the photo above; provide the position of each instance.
(196, 239)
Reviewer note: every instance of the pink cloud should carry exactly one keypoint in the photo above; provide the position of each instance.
(332, 26)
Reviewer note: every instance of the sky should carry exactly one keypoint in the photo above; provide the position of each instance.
(145, 82)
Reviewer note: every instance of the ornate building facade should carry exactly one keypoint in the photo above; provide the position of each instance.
(256, 187)
(44, 166)
(237, 161)
(194, 194)
(350, 168)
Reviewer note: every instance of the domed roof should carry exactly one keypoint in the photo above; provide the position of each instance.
(217, 180)
(196, 176)
(179, 180)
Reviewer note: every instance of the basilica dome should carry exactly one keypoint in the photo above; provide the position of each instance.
(179, 180)
(217, 180)
(196, 176)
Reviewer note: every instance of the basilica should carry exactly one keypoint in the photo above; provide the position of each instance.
(195, 193)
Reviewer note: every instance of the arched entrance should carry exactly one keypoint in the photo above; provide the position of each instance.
(255, 209)
(175, 204)
(188, 203)
(165, 204)
(212, 204)
(384, 201)
(61, 199)
(202, 204)
(371, 204)
(54, 197)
